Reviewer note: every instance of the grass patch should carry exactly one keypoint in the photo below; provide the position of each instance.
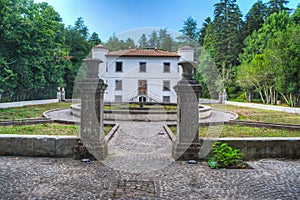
(34, 111)
(107, 129)
(241, 131)
(46, 129)
(260, 115)
(244, 131)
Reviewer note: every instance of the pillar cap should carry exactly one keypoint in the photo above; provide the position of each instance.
(92, 60)
(186, 48)
(188, 62)
(100, 46)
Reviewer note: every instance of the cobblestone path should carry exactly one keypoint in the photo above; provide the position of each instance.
(49, 178)
(139, 147)
(139, 166)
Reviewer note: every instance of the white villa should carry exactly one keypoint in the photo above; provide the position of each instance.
(141, 75)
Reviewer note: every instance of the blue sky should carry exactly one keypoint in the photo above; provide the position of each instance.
(123, 17)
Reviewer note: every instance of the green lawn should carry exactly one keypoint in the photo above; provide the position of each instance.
(30, 111)
(241, 131)
(46, 129)
(259, 115)
(244, 131)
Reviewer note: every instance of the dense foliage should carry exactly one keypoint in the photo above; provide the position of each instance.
(270, 63)
(37, 52)
(255, 58)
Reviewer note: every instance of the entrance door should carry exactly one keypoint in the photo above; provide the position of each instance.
(142, 99)
(142, 87)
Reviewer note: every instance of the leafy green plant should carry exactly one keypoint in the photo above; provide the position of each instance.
(225, 156)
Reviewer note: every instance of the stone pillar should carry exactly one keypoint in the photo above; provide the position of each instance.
(63, 94)
(91, 126)
(58, 94)
(187, 144)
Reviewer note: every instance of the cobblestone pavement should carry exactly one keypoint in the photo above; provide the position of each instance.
(139, 166)
(50, 178)
(139, 147)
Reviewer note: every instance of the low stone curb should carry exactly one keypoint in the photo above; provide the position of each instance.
(170, 133)
(292, 127)
(266, 107)
(45, 114)
(22, 122)
(27, 103)
(111, 133)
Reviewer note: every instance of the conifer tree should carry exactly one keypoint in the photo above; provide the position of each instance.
(255, 18)
(189, 29)
(143, 42)
(202, 31)
(226, 41)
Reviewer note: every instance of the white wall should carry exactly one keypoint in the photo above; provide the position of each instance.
(130, 76)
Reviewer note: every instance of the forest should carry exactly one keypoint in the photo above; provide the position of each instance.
(255, 57)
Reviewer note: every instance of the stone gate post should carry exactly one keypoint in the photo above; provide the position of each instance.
(91, 125)
(187, 145)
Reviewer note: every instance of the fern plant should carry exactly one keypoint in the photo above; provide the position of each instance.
(225, 156)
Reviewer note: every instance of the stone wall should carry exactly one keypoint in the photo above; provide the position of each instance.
(253, 148)
(40, 146)
(63, 146)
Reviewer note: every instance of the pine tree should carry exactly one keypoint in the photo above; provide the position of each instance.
(129, 43)
(277, 6)
(190, 29)
(165, 40)
(202, 31)
(94, 39)
(153, 41)
(81, 27)
(255, 18)
(227, 23)
(143, 42)
(227, 41)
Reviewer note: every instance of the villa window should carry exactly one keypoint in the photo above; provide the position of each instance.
(167, 67)
(166, 99)
(118, 98)
(118, 84)
(119, 66)
(166, 85)
(142, 66)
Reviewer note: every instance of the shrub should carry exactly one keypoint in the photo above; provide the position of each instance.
(225, 156)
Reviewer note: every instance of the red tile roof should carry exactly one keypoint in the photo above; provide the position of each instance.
(143, 53)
